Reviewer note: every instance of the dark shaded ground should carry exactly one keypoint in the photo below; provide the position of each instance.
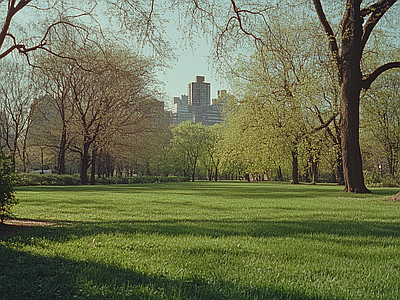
(17, 225)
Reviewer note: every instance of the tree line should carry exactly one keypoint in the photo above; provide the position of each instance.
(301, 97)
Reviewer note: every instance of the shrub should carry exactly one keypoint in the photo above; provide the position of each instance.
(30, 179)
(7, 193)
(375, 179)
(138, 179)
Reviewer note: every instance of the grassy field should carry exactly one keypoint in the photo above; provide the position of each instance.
(224, 240)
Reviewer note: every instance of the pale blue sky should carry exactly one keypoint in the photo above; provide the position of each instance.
(191, 61)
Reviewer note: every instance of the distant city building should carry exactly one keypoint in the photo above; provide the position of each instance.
(199, 92)
(197, 105)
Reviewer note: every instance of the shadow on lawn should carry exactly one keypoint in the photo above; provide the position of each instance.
(26, 276)
(227, 228)
(226, 190)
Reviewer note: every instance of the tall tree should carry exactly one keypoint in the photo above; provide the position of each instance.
(102, 102)
(356, 28)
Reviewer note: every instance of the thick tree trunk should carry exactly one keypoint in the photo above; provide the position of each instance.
(350, 101)
(216, 174)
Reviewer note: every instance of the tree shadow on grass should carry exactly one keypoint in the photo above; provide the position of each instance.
(344, 229)
(26, 276)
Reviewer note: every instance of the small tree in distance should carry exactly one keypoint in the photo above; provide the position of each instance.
(7, 193)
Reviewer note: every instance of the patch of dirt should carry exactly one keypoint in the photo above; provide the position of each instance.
(395, 197)
(14, 226)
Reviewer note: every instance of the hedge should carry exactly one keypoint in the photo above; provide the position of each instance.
(33, 179)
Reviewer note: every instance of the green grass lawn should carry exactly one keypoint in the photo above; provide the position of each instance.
(203, 240)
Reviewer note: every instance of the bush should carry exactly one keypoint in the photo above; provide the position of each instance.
(30, 179)
(138, 179)
(7, 193)
(375, 179)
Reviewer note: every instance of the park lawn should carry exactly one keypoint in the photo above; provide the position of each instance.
(203, 240)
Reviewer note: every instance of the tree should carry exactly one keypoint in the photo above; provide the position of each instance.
(100, 101)
(283, 99)
(7, 193)
(252, 20)
(355, 33)
(17, 92)
(190, 140)
(212, 156)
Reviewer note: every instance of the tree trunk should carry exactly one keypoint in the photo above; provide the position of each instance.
(93, 170)
(216, 174)
(279, 173)
(295, 168)
(61, 153)
(350, 101)
(85, 163)
(314, 169)
(193, 175)
(339, 168)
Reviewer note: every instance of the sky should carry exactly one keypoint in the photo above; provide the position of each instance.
(191, 62)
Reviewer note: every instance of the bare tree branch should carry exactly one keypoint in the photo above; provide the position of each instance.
(369, 79)
(333, 46)
(376, 12)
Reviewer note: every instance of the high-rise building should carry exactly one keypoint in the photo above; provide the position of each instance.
(197, 105)
(180, 110)
(199, 92)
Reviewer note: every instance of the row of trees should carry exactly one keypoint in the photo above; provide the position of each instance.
(105, 106)
(297, 87)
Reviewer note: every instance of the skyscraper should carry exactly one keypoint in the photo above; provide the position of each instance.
(196, 106)
(199, 92)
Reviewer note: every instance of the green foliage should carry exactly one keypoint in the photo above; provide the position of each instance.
(189, 145)
(380, 117)
(7, 193)
(376, 179)
(32, 179)
(138, 179)
(35, 179)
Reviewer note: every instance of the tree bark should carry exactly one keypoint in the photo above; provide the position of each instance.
(279, 173)
(314, 169)
(85, 158)
(61, 153)
(350, 100)
(354, 39)
(93, 170)
(295, 167)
